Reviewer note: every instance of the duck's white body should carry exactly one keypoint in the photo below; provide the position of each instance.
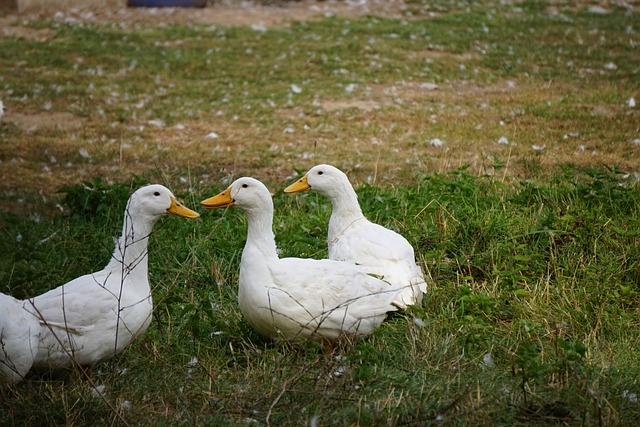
(94, 317)
(352, 237)
(298, 298)
(18, 339)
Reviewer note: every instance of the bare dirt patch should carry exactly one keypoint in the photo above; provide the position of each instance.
(45, 121)
(360, 104)
(240, 14)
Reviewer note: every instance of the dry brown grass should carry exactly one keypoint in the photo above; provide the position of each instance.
(384, 135)
(380, 134)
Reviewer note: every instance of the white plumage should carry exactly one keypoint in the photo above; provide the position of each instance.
(296, 298)
(18, 339)
(352, 237)
(94, 317)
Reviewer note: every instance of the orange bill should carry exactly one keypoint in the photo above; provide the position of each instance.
(299, 185)
(219, 201)
(179, 209)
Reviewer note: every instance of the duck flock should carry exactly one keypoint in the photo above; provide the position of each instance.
(371, 271)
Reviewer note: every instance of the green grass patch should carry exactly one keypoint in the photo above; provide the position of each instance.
(530, 316)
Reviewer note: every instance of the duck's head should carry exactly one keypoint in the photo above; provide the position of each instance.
(156, 200)
(246, 193)
(325, 179)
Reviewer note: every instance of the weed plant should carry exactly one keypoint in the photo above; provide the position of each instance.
(531, 315)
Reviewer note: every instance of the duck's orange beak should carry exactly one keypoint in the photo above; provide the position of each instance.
(179, 209)
(219, 201)
(299, 185)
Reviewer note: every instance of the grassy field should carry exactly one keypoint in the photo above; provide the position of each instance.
(500, 138)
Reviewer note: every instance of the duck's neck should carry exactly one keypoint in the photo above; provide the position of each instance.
(260, 231)
(345, 210)
(130, 253)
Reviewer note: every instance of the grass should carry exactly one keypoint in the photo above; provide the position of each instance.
(559, 80)
(531, 316)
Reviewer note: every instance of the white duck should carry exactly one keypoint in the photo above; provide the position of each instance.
(296, 298)
(351, 237)
(18, 339)
(94, 317)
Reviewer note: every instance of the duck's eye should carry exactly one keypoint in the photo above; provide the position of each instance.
(157, 193)
(320, 172)
(245, 185)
